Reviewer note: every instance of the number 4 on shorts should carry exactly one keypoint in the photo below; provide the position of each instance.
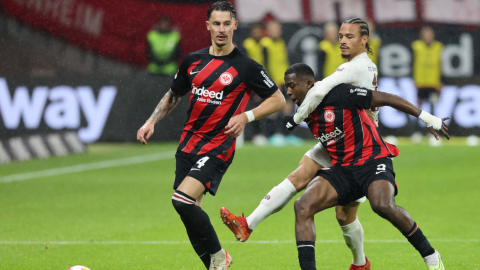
(201, 162)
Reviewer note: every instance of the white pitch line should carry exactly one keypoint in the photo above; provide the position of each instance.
(88, 166)
(229, 242)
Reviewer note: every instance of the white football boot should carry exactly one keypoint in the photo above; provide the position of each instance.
(220, 260)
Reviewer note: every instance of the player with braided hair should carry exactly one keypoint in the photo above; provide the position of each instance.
(364, 30)
(360, 71)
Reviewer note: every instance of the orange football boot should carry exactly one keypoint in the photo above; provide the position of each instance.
(229, 260)
(363, 267)
(238, 225)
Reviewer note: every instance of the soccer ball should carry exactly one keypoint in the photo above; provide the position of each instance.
(78, 267)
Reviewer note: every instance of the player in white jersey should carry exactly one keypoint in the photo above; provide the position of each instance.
(359, 71)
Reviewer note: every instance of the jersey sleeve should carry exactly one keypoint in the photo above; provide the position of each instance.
(181, 82)
(259, 81)
(350, 97)
(344, 74)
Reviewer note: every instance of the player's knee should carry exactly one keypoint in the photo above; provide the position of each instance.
(302, 208)
(180, 207)
(294, 177)
(298, 179)
(382, 209)
(342, 217)
(182, 203)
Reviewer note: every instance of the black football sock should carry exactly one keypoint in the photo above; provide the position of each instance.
(419, 241)
(198, 244)
(194, 215)
(306, 255)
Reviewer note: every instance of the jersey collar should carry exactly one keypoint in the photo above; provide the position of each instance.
(360, 56)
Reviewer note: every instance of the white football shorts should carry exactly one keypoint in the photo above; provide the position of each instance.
(319, 154)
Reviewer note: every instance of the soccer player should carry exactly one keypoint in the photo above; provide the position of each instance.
(219, 80)
(359, 71)
(361, 161)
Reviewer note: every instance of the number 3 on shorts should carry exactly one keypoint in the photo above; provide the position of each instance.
(380, 168)
(201, 162)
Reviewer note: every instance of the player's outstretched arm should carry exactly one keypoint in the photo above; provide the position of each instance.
(272, 104)
(434, 123)
(320, 90)
(164, 107)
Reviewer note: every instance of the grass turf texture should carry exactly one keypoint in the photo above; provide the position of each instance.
(122, 217)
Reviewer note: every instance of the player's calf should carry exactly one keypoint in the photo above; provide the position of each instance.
(346, 214)
(382, 201)
(274, 201)
(195, 216)
(381, 195)
(318, 196)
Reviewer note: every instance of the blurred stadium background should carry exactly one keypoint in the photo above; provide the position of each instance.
(76, 77)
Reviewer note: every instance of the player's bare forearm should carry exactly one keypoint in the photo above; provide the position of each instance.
(165, 106)
(434, 124)
(270, 105)
(380, 99)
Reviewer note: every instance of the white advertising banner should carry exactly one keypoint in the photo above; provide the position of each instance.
(249, 11)
(452, 11)
(386, 11)
(325, 10)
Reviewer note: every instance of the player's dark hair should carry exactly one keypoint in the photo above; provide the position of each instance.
(364, 30)
(222, 6)
(300, 69)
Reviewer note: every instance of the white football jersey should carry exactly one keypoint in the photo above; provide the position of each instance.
(359, 71)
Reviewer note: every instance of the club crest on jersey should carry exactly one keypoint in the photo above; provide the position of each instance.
(329, 116)
(226, 78)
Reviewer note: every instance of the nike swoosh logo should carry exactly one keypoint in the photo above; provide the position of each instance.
(378, 172)
(195, 169)
(191, 73)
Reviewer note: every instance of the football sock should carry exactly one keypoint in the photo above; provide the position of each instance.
(273, 202)
(306, 255)
(198, 243)
(196, 217)
(431, 260)
(353, 235)
(419, 241)
(221, 254)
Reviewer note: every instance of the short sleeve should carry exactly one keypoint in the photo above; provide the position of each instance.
(350, 97)
(259, 81)
(181, 82)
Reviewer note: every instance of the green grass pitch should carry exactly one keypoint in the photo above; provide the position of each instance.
(119, 215)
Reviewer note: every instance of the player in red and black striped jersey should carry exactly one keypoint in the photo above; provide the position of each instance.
(361, 161)
(219, 88)
(343, 127)
(219, 81)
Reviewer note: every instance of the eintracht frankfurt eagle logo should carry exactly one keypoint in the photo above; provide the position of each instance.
(329, 116)
(226, 78)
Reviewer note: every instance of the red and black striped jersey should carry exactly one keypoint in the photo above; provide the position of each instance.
(219, 87)
(343, 127)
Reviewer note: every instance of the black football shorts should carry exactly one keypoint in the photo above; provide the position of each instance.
(352, 182)
(206, 168)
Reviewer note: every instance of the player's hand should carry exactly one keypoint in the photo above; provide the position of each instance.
(236, 125)
(290, 123)
(444, 130)
(145, 132)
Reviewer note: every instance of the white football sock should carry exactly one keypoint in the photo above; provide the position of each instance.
(353, 235)
(220, 254)
(273, 202)
(431, 260)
